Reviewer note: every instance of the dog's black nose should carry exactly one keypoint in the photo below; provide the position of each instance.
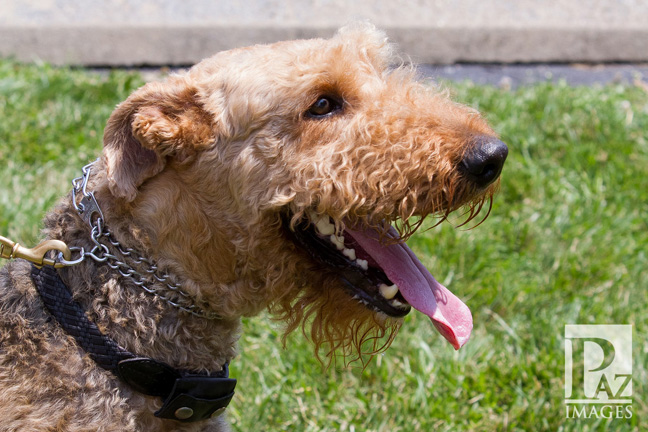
(483, 163)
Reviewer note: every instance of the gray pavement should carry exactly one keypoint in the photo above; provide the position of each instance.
(520, 75)
(181, 32)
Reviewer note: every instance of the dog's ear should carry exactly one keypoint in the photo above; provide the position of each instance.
(157, 122)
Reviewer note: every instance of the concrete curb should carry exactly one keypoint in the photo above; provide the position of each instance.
(168, 32)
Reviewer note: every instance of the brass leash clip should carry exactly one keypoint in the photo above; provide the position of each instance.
(36, 255)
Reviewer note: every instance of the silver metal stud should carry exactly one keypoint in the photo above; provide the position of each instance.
(183, 413)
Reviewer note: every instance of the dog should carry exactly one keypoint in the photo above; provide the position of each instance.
(282, 177)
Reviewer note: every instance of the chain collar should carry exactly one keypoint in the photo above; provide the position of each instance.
(147, 274)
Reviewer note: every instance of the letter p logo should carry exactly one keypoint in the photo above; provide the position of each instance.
(598, 363)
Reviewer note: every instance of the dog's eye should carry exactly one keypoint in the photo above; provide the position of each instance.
(324, 105)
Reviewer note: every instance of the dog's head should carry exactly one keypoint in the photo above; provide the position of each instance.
(292, 174)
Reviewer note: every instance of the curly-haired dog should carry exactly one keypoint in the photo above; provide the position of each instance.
(263, 178)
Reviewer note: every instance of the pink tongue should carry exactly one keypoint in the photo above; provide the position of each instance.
(450, 316)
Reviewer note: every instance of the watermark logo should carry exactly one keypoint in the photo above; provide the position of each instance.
(598, 371)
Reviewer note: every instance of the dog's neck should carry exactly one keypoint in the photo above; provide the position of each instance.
(141, 322)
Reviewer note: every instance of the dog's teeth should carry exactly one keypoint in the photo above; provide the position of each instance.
(397, 303)
(349, 253)
(324, 226)
(388, 291)
(364, 265)
(338, 241)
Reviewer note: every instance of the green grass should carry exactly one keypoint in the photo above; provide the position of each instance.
(51, 123)
(566, 243)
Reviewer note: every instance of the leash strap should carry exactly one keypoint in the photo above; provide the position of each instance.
(187, 396)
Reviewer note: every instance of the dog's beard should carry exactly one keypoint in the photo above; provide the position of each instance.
(337, 326)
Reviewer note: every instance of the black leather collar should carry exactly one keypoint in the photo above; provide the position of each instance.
(187, 396)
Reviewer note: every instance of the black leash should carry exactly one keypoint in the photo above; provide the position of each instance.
(187, 396)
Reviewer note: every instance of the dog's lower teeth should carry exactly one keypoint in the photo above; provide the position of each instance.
(322, 223)
(324, 226)
(338, 241)
(396, 303)
(388, 291)
(349, 253)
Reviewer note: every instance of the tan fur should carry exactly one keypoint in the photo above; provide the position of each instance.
(195, 173)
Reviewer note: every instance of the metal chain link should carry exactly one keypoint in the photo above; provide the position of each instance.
(90, 212)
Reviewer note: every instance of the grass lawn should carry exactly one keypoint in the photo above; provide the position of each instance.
(567, 242)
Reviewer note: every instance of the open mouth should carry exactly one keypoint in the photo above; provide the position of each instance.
(361, 275)
(387, 278)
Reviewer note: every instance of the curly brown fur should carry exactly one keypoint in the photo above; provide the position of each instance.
(198, 173)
